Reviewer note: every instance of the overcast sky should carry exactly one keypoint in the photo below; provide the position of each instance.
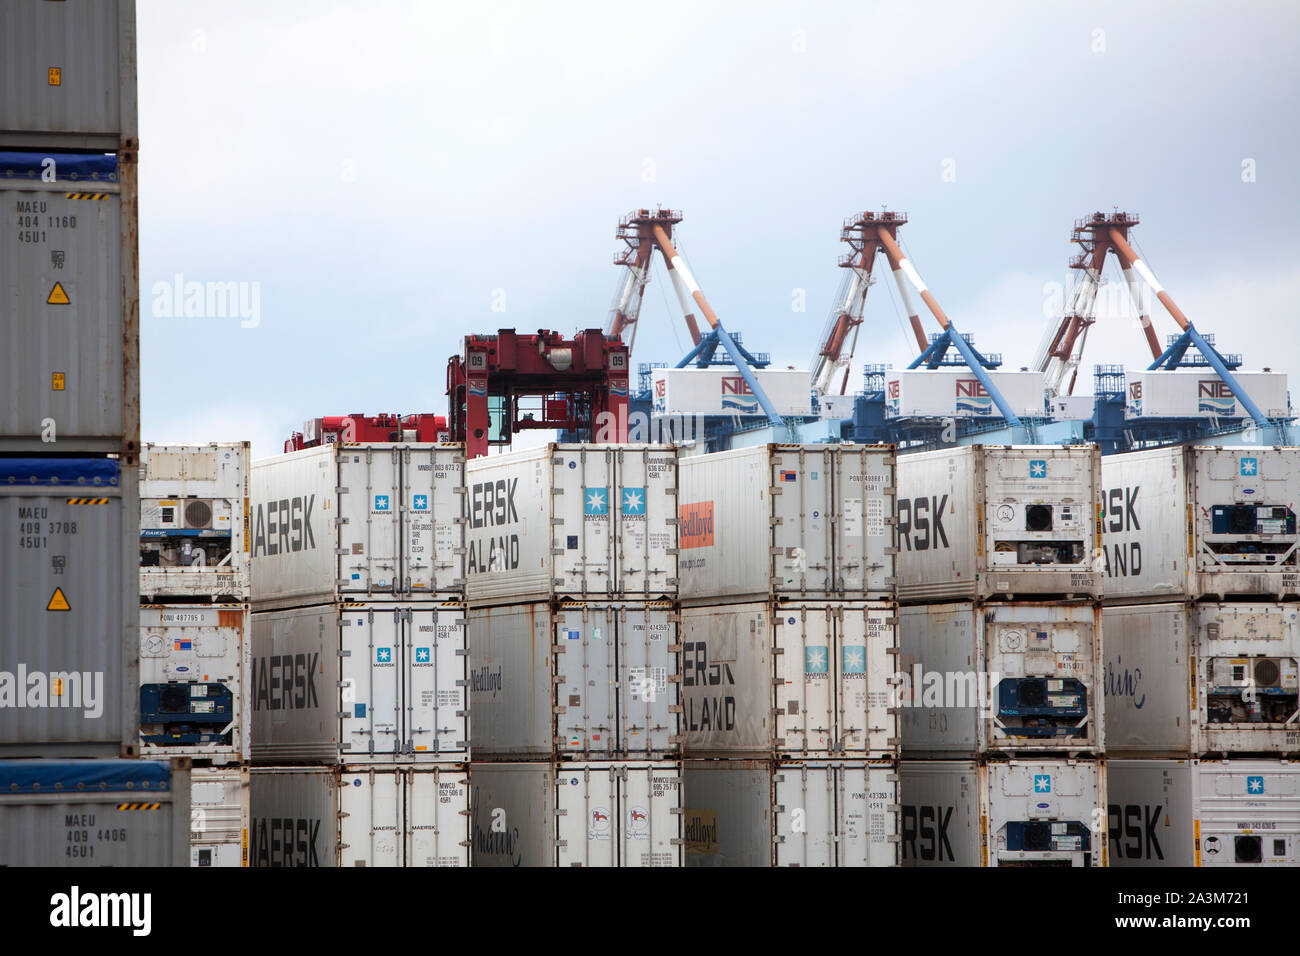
(379, 176)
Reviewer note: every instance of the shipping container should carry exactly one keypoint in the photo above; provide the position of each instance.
(1202, 394)
(106, 812)
(360, 684)
(69, 634)
(1201, 523)
(808, 678)
(723, 390)
(797, 522)
(193, 507)
(1202, 679)
(957, 393)
(579, 681)
(219, 816)
(999, 522)
(194, 676)
(69, 74)
(598, 813)
(1011, 678)
(759, 813)
(1012, 813)
(68, 263)
(577, 522)
(360, 816)
(358, 522)
(1204, 812)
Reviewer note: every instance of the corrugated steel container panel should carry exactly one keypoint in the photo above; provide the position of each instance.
(957, 393)
(360, 816)
(94, 813)
(597, 813)
(579, 681)
(360, 684)
(1202, 394)
(999, 522)
(802, 522)
(808, 678)
(219, 819)
(193, 508)
(68, 73)
(69, 264)
(723, 391)
(69, 623)
(1013, 813)
(1000, 677)
(194, 681)
(1201, 523)
(1204, 812)
(576, 522)
(1202, 679)
(757, 813)
(372, 521)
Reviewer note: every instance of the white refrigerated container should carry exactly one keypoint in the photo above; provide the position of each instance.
(219, 816)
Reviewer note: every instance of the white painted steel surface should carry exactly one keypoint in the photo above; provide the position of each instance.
(1202, 394)
(722, 390)
(957, 393)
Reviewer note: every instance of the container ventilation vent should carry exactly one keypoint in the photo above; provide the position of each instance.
(198, 514)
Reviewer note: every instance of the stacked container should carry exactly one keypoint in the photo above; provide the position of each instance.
(69, 447)
(1001, 664)
(359, 673)
(195, 632)
(789, 651)
(571, 574)
(1202, 556)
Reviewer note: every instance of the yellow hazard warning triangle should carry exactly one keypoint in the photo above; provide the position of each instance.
(58, 296)
(58, 602)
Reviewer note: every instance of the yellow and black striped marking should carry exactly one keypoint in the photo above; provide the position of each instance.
(86, 195)
(138, 806)
(87, 501)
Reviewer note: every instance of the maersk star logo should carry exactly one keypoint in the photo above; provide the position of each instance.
(1042, 783)
(383, 655)
(421, 503)
(633, 501)
(855, 660)
(597, 501)
(1254, 784)
(381, 502)
(1038, 468)
(1249, 467)
(815, 660)
(421, 655)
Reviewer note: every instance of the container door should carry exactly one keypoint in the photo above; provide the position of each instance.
(371, 642)
(864, 543)
(650, 814)
(865, 655)
(370, 533)
(802, 504)
(867, 801)
(649, 703)
(437, 815)
(435, 697)
(585, 639)
(433, 493)
(586, 815)
(805, 708)
(804, 815)
(372, 818)
(583, 481)
(647, 522)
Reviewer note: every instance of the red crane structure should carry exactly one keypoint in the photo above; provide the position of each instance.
(366, 428)
(580, 384)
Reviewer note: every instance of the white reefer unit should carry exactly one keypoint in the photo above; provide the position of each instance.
(788, 521)
(1202, 679)
(582, 522)
(361, 522)
(758, 813)
(957, 393)
(193, 505)
(722, 390)
(360, 683)
(578, 681)
(1015, 678)
(219, 818)
(1204, 812)
(600, 813)
(1012, 813)
(1202, 394)
(810, 678)
(360, 816)
(194, 681)
(1197, 523)
(997, 522)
